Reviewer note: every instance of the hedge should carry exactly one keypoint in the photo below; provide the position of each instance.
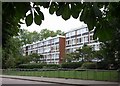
(102, 65)
(51, 66)
(88, 65)
(71, 65)
(38, 65)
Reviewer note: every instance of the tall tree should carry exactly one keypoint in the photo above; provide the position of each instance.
(45, 33)
(27, 37)
(11, 52)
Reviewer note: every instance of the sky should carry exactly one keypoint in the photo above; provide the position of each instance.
(53, 22)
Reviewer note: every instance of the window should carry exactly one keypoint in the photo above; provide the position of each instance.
(48, 41)
(52, 41)
(73, 41)
(91, 37)
(67, 34)
(86, 39)
(68, 42)
(56, 40)
(82, 39)
(57, 47)
(79, 40)
(73, 33)
(79, 31)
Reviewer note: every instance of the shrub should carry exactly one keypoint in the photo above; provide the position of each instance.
(51, 66)
(102, 65)
(38, 65)
(71, 65)
(88, 65)
(31, 66)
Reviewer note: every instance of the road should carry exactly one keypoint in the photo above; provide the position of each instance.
(14, 82)
(18, 82)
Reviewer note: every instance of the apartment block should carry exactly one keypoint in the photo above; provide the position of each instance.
(78, 37)
(52, 48)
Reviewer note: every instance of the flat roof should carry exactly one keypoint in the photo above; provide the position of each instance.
(58, 36)
(76, 29)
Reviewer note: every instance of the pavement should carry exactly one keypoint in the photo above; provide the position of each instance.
(76, 82)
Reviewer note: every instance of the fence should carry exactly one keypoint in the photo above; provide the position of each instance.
(85, 74)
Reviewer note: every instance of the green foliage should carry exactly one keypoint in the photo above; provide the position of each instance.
(102, 65)
(90, 14)
(45, 33)
(31, 66)
(71, 65)
(88, 65)
(66, 12)
(86, 53)
(38, 65)
(27, 37)
(40, 13)
(29, 19)
(37, 19)
(53, 8)
(51, 66)
(35, 57)
(69, 57)
(10, 62)
(76, 9)
(11, 53)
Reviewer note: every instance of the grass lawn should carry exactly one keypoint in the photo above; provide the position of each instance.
(110, 75)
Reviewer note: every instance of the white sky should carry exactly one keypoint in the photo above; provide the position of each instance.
(53, 22)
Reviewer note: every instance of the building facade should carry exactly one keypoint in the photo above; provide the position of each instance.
(78, 37)
(52, 48)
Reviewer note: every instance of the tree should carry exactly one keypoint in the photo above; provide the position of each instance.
(68, 57)
(85, 54)
(27, 37)
(35, 57)
(11, 53)
(59, 32)
(104, 22)
(45, 33)
(101, 21)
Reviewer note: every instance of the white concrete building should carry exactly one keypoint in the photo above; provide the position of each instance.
(52, 48)
(78, 37)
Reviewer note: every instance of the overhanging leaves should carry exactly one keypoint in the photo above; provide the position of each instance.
(103, 31)
(66, 12)
(60, 9)
(76, 9)
(37, 18)
(88, 17)
(51, 10)
(29, 19)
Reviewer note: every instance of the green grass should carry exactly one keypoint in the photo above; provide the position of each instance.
(110, 75)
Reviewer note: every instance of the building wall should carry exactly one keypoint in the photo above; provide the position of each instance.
(49, 48)
(77, 38)
(54, 48)
(62, 49)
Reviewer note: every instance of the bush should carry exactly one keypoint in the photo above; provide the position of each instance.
(102, 65)
(51, 66)
(71, 65)
(31, 66)
(88, 65)
(38, 65)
